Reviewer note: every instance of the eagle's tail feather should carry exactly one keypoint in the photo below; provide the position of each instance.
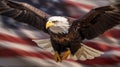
(45, 44)
(86, 52)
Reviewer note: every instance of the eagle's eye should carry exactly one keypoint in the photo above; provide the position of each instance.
(54, 21)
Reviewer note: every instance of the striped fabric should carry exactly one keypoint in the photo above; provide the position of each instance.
(18, 50)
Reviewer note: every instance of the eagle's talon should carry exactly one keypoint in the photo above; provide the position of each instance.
(65, 54)
(57, 57)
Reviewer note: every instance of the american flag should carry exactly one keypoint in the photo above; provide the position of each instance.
(18, 50)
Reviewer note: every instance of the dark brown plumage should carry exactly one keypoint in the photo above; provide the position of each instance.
(24, 12)
(94, 23)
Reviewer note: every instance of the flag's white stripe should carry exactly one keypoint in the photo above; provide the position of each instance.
(34, 62)
(8, 32)
(109, 41)
(34, 34)
(111, 53)
(92, 2)
(117, 27)
(84, 9)
(83, 2)
(0, 21)
(24, 33)
(28, 48)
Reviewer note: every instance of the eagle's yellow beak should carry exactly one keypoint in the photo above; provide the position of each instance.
(49, 23)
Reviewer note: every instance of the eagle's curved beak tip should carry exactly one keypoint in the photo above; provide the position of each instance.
(49, 24)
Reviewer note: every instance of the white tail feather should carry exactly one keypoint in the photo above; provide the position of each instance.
(86, 52)
(45, 44)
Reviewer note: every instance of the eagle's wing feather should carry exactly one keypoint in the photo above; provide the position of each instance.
(98, 20)
(24, 12)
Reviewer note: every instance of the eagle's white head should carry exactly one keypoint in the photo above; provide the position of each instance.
(58, 24)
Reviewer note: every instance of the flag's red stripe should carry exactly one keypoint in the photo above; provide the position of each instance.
(79, 4)
(115, 33)
(9, 38)
(17, 52)
(102, 47)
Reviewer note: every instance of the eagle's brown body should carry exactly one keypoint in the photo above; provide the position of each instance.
(94, 23)
(63, 41)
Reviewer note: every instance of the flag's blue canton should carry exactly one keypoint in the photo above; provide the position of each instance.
(53, 7)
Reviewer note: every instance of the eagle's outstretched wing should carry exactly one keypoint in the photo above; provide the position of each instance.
(98, 20)
(24, 12)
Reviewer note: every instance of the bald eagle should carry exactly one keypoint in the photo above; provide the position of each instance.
(66, 34)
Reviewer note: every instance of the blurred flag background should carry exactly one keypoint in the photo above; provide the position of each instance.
(18, 50)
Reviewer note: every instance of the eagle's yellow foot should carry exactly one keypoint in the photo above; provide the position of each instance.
(57, 57)
(65, 54)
